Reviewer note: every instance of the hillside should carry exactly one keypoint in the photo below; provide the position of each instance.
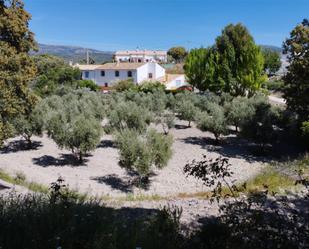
(75, 54)
(274, 48)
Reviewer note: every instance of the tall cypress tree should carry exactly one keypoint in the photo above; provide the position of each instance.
(16, 67)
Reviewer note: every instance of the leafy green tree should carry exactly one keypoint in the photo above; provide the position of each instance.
(296, 90)
(272, 61)
(177, 53)
(53, 73)
(139, 153)
(16, 66)
(213, 121)
(241, 62)
(201, 69)
(237, 111)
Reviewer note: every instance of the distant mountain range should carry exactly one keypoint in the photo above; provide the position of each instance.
(75, 54)
(274, 48)
(78, 54)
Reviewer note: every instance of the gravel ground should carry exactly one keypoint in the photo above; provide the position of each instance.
(102, 176)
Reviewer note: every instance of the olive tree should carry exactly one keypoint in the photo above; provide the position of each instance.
(28, 126)
(237, 111)
(167, 120)
(140, 153)
(187, 111)
(261, 125)
(213, 121)
(72, 122)
(129, 115)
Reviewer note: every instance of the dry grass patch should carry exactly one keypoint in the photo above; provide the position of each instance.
(20, 179)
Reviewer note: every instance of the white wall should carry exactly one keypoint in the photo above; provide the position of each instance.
(176, 83)
(155, 69)
(143, 58)
(138, 75)
(109, 77)
(91, 75)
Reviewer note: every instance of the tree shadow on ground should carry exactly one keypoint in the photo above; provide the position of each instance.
(181, 127)
(20, 145)
(3, 187)
(107, 144)
(231, 147)
(64, 160)
(125, 184)
(122, 184)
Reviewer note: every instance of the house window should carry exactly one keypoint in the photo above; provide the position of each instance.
(102, 73)
(129, 74)
(106, 84)
(139, 60)
(150, 75)
(117, 73)
(87, 74)
(178, 83)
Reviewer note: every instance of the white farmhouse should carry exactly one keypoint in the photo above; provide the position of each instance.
(108, 74)
(138, 56)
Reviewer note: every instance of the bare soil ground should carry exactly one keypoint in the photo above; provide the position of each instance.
(100, 175)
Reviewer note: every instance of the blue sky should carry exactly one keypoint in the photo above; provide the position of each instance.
(159, 24)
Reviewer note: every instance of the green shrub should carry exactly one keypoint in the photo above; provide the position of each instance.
(305, 128)
(305, 131)
(149, 86)
(88, 84)
(59, 220)
(125, 85)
